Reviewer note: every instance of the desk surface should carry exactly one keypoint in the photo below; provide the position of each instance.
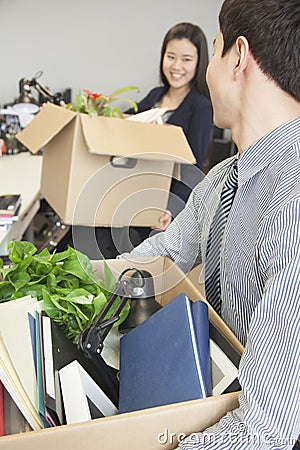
(20, 173)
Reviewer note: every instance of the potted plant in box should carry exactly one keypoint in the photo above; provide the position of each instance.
(96, 104)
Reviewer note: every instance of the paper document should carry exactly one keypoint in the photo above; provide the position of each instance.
(151, 115)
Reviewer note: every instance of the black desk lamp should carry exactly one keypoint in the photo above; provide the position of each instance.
(26, 102)
(138, 289)
(139, 284)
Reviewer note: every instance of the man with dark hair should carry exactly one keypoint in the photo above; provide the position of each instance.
(249, 205)
(272, 31)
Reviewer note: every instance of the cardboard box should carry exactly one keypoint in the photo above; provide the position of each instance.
(155, 428)
(102, 171)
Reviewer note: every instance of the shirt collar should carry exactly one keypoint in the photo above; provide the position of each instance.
(267, 149)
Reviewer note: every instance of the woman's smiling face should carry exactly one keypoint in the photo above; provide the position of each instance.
(180, 62)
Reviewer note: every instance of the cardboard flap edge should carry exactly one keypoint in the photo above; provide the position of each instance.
(49, 121)
(99, 129)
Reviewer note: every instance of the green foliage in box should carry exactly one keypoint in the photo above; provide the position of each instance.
(73, 296)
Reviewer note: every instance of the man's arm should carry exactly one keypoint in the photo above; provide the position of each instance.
(269, 413)
(180, 241)
(184, 241)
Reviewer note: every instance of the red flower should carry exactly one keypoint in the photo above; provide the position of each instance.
(92, 95)
(95, 96)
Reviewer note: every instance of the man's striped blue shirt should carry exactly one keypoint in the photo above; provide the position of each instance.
(260, 286)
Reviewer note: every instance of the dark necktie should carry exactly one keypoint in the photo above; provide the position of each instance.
(214, 241)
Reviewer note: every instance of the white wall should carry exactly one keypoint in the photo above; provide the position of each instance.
(100, 45)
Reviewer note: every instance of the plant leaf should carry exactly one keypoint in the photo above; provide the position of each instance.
(20, 249)
(80, 296)
(99, 303)
(75, 267)
(132, 103)
(117, 111)
(19, 280)
(124, 89)
(109, 279)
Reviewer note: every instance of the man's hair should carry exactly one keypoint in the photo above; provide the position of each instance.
(195, 35)
(272, 28)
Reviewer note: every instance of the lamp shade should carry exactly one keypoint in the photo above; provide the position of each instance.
(142, 303)
(25, 102)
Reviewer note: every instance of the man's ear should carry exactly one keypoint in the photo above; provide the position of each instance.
(242, 54)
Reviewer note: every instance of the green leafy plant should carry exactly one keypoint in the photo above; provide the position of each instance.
(73, 296)
(96, 104)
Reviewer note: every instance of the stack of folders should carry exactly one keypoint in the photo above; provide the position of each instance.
(47, 376)
(174, 356)
(17, 366)
(74, 388)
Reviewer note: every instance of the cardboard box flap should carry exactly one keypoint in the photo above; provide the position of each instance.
(50, 120)
(120, 137)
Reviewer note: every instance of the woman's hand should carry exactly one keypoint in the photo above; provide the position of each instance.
(61, 103)
(164, 221)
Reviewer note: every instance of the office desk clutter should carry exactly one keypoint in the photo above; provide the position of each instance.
(27, 102)
(10, 125)
(9, 205)
(17, 114)
(9, 208)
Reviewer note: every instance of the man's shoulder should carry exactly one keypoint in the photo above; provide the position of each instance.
(221, 169)
(214, 179)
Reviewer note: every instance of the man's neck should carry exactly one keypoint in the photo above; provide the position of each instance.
(268, 108)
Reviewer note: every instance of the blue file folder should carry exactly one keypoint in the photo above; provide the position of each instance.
(166, 359)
